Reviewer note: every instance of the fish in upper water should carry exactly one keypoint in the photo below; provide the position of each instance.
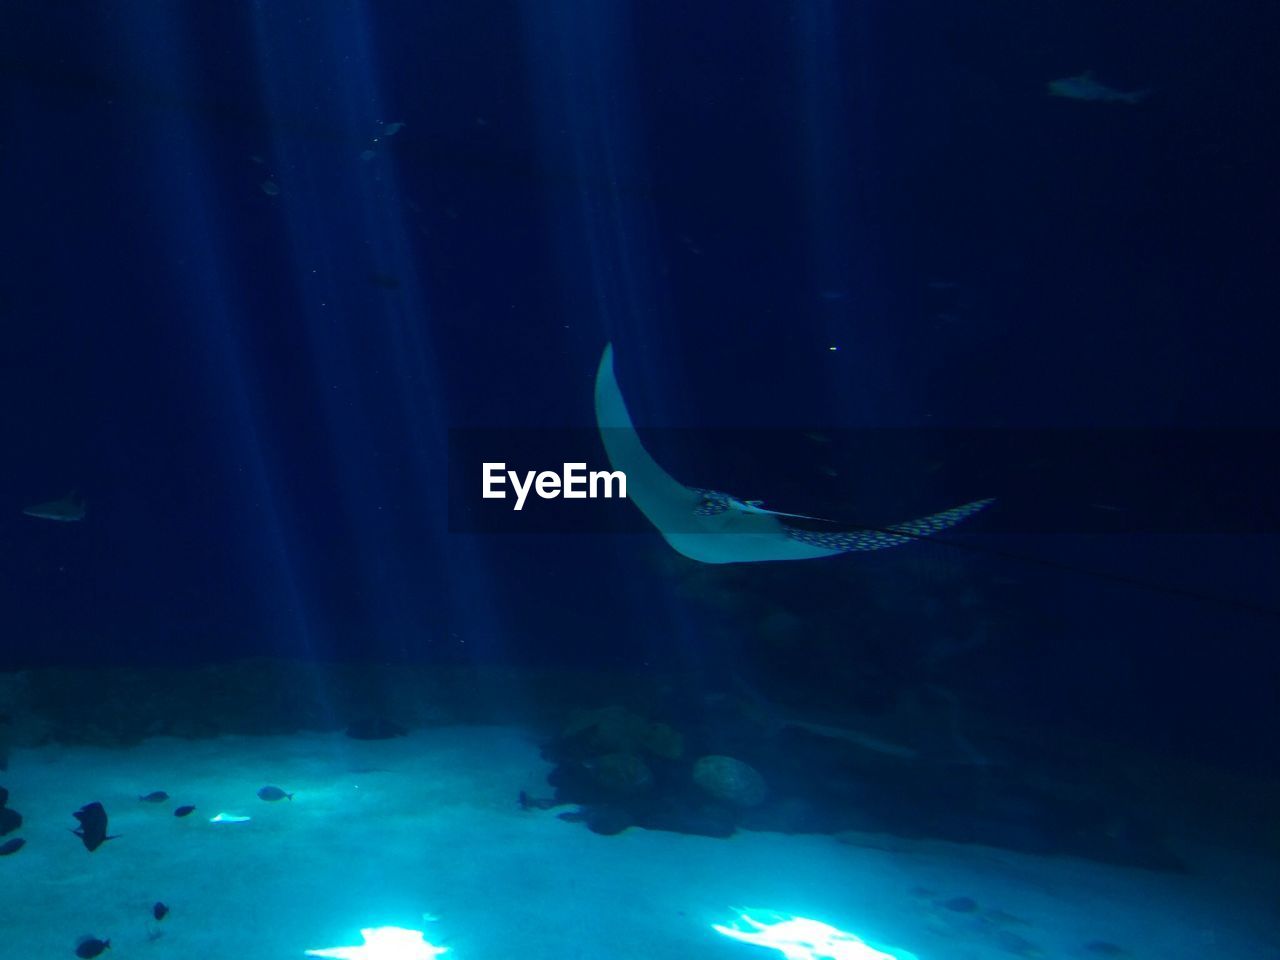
(272, 794)
(160, 910)
(155, 796)
(185, 810)
(89, 947)
(93, 826)
(12, 846)
(1086, 86)
(67, 510)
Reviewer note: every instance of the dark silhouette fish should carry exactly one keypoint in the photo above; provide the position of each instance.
(93, 828)
(185, 810)
(12, 846)
(10, 820)
(272, 794)
(155, 796)
(90, 947)
(159, 911)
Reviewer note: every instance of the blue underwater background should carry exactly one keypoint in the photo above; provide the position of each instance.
(266, 265)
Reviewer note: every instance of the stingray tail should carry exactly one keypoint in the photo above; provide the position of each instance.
(937, 522)
(856, 541)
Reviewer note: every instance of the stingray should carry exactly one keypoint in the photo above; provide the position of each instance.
(714, 527)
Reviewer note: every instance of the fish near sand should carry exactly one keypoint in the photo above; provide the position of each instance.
(93, 826)
(1086, 86)
(67, 510)
(273, 794)
(10, 820)
(90, 947)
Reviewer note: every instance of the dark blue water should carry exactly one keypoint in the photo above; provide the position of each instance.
(254, 391)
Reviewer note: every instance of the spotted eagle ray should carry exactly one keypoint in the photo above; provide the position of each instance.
(714, 527)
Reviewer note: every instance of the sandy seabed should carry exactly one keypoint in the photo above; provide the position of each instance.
(379, 833)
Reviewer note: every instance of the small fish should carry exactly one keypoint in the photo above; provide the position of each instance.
(1086, 86)
(67, 510)
(270, 188)
(12, 846)
(93, 827)
(89, 947)
(159, 911)
(272, 794)
(391, 129)
(4, 796)
(185, 810)
(10, 820)
(228, 818)
(155, 796)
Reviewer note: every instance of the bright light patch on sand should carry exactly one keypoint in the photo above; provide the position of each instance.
(800, 938)
(385, 943)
